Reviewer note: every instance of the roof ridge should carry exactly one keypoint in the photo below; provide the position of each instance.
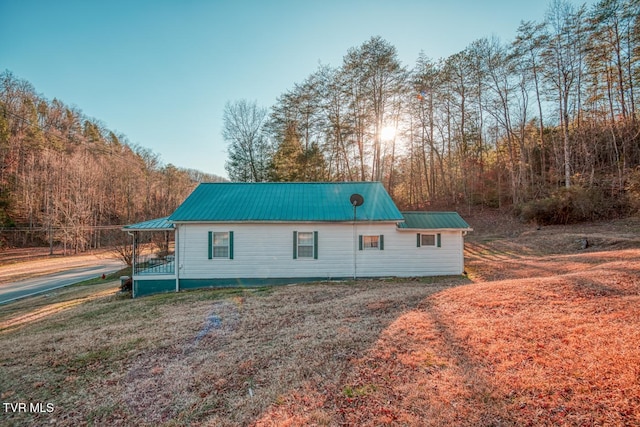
(292, 182)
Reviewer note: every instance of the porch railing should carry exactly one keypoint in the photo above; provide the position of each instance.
(151, 264)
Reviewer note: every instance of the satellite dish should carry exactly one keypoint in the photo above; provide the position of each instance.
(356, 200)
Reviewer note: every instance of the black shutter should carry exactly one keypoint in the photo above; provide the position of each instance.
(315, 245)
(295, 245)
(211, 245)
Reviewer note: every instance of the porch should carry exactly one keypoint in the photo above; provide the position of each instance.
(153, 256)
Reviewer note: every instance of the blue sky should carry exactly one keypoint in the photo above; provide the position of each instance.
(160, 71)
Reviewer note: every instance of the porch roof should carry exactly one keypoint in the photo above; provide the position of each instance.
(433, 221)
(157, 224)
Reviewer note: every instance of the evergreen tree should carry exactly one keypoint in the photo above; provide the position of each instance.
(289, 161)
(315, 165)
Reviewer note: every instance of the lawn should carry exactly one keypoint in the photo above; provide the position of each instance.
(539, 333)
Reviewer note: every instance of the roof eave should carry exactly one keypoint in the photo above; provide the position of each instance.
(434, 229)
(148, 229)
(157, 224)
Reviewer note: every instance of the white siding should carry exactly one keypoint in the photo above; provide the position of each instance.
(266, 251)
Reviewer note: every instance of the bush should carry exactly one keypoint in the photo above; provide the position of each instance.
(633, 189)
(572, 205)
(127, 285)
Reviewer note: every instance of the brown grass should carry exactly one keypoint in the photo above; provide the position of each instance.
(50, 309)
(533, 339)
(204, 357)
(560, 350)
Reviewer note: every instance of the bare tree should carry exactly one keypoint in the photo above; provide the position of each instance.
(563, 67)
(377, 79)
(526, 57)
(248, 150)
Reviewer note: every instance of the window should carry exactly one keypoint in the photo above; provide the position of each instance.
(221, 244)
(433, 240)
(371, 242)
(305, 244)
(427, 240)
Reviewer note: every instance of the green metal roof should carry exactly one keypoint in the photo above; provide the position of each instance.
(286, 201)
(152, 224)
(433, 220)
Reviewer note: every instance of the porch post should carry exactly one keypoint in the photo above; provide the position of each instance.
(176, 257)
(133, 263)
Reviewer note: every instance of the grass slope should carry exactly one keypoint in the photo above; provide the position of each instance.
(542, 334)
(546, 335)
(203, 357)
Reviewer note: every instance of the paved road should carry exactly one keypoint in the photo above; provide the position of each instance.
(36, 285)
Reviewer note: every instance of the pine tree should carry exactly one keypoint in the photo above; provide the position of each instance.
(289, 160)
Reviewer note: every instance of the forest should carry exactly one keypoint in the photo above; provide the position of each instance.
(545, 126)
(68, 181)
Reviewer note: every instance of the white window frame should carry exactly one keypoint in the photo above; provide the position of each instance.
(437, 240)
(306, 245)
(215, 246)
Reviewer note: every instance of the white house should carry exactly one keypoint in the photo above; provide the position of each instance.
(247, 234)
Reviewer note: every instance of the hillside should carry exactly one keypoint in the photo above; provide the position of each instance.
(68, 182)
(541, 332)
